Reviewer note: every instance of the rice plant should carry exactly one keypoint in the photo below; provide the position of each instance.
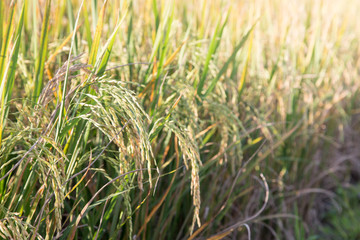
(153, 119)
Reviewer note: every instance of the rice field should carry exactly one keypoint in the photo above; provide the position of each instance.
(163, 119)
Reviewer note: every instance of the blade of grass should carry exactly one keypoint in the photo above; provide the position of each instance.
(40, 64)
(34, 40)
(156, 15)
(173, 55)
(227, 63)
(2, 23)
(63, 97)
(8, 79)
(87, 27)
(161, 27)
(165, 35)
(97, 36)
(107, 49)
(215, 41)
(72, 26)
(5, 41)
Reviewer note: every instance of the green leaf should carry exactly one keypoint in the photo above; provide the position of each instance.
(39, 72)
(96, 42)
(8, 79)
(227, 63)
(214, 44)
(107, 49)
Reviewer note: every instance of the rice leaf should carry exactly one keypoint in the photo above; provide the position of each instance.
(40, 64)
(227, 63)
(7, 82)
(97, 36)
(214, 44)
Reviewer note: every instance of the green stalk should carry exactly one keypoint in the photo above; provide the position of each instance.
(39, 72)
(63, 97)
(6, 39)
(7, 82)
(214, 44)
